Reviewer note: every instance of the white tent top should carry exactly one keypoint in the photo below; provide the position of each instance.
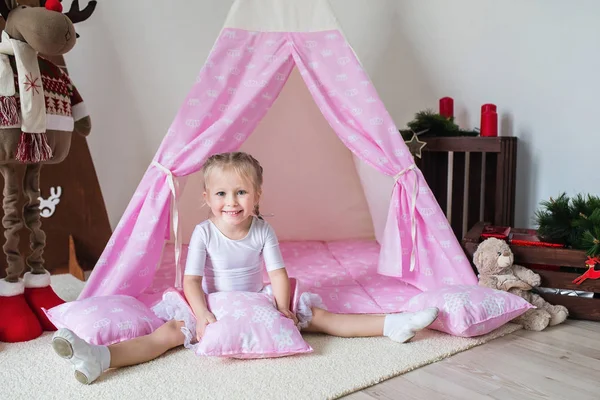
(282, 16)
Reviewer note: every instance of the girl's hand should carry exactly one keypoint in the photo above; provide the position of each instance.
(202, 320)
(288, 314)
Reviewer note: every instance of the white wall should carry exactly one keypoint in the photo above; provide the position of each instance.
(537, 60)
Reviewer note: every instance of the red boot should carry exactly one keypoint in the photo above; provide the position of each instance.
(39, 294)
(18, 323)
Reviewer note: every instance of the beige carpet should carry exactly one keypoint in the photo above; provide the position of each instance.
(337, 367)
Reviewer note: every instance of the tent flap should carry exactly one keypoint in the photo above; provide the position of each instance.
(132, 254)
(416, 236)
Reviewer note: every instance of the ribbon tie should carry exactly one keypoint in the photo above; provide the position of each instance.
(413, 206)
(173, 185)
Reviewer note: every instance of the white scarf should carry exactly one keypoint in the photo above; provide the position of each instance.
(33, 146)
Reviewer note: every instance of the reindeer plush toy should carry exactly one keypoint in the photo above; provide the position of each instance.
(39, 110)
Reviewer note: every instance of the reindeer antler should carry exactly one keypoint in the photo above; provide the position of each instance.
(592, 261)
(4, 10)
(76, 15)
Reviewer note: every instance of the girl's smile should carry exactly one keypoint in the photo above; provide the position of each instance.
(232, 200)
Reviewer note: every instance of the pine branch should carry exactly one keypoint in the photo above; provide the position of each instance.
(581, 210)
(574, 222)
(434, 125)
(591, 237)
(553, 220)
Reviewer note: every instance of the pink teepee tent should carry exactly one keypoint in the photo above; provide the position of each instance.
(262, 42)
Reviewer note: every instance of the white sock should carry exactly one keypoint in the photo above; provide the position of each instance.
(403, 327)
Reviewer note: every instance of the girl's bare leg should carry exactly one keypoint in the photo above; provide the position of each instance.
(146, 348)
(345, 325)
(398, 327)
(90, 361)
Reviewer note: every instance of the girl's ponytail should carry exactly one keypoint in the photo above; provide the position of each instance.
(257, 212)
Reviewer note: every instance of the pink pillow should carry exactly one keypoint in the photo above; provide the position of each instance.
(249, 326)
(106, 319)
(470, 310)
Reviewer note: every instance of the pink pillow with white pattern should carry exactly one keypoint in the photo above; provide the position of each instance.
(106, 319)
(249, 326)
(470, 310)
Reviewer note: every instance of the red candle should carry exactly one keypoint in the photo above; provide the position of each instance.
(488, 107)
(489, 124)
(447, 107)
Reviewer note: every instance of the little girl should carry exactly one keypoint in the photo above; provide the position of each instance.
(225, 254)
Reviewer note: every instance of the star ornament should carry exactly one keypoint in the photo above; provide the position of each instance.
(415, 145)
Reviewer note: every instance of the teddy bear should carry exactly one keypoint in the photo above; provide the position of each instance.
(494, 259)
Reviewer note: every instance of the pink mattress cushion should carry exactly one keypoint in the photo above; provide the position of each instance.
(105, 320)
(343, 273)
(470, 310)
(249, 326)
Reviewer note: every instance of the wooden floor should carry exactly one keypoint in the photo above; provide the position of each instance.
(560, 363)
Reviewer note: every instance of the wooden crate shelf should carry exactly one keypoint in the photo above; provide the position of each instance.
(472, 178)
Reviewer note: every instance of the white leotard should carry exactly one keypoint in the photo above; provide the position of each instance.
(232, 265)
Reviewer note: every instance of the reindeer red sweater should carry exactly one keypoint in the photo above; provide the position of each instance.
(64, 104)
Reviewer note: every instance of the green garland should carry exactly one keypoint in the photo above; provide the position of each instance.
(573, 222)
(429, 124)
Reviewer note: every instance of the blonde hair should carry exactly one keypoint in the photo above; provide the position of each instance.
(243, 164)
